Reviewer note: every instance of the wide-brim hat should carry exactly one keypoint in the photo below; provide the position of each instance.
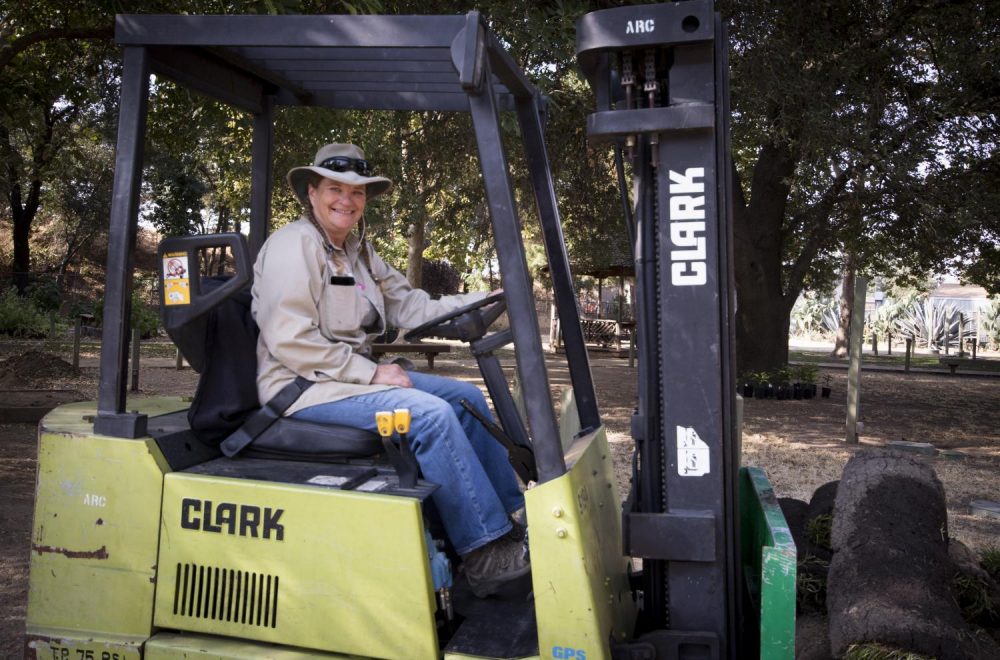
(340, 162)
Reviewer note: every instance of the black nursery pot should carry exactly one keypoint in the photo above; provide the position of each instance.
(808, 390)
(797, 391)
(747, 391)
(825, 392)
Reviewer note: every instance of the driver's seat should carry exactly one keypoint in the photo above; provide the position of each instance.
(209, 320)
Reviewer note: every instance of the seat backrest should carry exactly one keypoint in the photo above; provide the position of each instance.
(227, 389)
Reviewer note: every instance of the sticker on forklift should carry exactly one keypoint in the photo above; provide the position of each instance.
(370, 486)
(327, 480)
(693, 457)
(176, 284)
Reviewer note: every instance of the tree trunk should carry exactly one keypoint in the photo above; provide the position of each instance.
(761, 329)
(22, 251)
(841, 344)
(23, 209)
(763, 309)
(415, 254)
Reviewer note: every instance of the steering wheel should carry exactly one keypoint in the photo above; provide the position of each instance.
(467, 323)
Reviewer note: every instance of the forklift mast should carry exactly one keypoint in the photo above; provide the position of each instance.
(659, 73)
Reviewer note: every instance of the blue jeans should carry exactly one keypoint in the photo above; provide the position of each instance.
(477, 486)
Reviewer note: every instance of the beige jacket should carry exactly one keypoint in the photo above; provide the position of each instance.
(310, 313)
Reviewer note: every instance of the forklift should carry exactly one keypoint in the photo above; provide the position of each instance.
(149, 543)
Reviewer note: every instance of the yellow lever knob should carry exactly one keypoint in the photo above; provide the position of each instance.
(383, 419)
(401, 420)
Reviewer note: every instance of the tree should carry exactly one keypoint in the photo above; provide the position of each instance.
(840, 112)
(53, 66)
(59, 71)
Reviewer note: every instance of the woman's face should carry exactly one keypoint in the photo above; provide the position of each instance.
(337, 207)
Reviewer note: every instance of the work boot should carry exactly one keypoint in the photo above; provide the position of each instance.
(517, 531)
(495, 565)
(519, 526)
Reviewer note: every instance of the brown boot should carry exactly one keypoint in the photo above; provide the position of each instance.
(495, 565)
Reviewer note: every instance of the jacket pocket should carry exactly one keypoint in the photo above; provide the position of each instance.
(340, 305)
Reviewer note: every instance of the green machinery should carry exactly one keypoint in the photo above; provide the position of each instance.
(149, 543)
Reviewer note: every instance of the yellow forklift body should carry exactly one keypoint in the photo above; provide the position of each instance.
(580, 578)
(94, 537)
(333, 570)
(191, 646)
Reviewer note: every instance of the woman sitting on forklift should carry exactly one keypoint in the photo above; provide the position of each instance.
(320, 295)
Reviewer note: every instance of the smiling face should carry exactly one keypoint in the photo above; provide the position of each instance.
(337, 207)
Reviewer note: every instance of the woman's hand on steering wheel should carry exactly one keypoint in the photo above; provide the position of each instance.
(492, 306)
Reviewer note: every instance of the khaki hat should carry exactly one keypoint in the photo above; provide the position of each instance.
(341, 162)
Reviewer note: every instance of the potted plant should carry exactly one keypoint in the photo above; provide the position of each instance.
(783, 388)
(764, 388)
(825, 392)
(805, 380)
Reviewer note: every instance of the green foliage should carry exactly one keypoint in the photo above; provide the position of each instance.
(934, 324)
(19, 317)
(975, 599)
(990, 322)
(891, 312)
(818, 530)
(810, 585)
(756, 377)
(989, 558)
(781, 376)
(814, 315)
(804, 373)
(143, 318)
(45, 295)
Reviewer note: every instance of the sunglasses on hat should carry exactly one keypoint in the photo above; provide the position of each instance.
(345, 163)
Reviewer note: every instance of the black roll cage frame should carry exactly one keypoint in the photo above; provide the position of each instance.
(417, 63)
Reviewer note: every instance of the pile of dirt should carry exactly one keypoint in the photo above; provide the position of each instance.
(33, 369)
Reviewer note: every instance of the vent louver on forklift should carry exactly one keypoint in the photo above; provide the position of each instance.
(226, 594)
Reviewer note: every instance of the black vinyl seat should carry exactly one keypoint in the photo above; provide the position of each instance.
(298, 440)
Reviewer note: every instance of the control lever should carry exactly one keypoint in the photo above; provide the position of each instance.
(404, 462)
(522, 459)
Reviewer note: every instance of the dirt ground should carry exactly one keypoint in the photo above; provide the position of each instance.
(799, 443)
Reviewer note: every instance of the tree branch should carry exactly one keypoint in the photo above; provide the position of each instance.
(818, 217)
(12, 49)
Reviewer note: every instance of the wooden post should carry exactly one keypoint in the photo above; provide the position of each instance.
(854, 368)
(874, 344)
(180, 360)
(135, 360)
(888, 343)
(621, 298)
(553, 329)
(961, 335)
(77, 329)
(975, 336)
(909, 349)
